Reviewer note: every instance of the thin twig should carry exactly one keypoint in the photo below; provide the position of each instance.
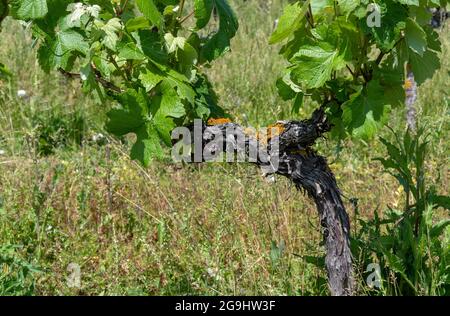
(311, 14)
(181, 8)
(349, 69)
(106, 84)
(381, 55)
(187, 17)
(122, 8)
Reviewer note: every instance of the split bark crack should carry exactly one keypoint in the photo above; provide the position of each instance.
(310, 173)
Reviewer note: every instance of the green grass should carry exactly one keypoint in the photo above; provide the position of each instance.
(200, 229)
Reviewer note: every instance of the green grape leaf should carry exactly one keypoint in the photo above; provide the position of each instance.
(206, 100)
(421, 15)
(151, 123)
(187, 58)
(298, 102)
(320, 6)
(299, 39)
(150, 11)
(286, 88)
(203, 9)
(181, 82)
(130, 51)
(433, 41)
(393, 17)
(365, 112)
(151, 45)
(57, 53)
(131, 114)
(147, 145)
(290, 21)
(31, 9)
(285, 92)
(53, 18)
(437, 3)
(219, 43)
(168, 103)
(313, 65)
(424, 66)
(164, 125)
(348, 6)
(415, 37)
(137, 23)
(409, 2)
(174, 43)
(111, 29)
(150, 77)
(392, 83)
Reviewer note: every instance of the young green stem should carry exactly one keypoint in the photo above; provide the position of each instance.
(350, 70)
(181, 8)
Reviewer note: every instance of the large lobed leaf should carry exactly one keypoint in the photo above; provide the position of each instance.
(313, 65)
(31, 9)
(290, 21)
(366, 111)
(219, 42)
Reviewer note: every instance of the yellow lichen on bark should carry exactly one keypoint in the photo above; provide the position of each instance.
(266, 134)
(263, 136)
(408, 84)
(276, 129)
(218, 121)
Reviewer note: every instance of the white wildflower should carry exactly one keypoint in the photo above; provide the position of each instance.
(213, 273)
(275, 23)
(98, 137)
(2, 152)
(83, 76)
(21, 93)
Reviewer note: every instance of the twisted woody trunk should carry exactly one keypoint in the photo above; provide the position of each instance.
(309, 172)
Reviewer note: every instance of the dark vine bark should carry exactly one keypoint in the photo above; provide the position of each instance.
(309, 172)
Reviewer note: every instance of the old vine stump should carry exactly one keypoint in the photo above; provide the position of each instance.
(309, 172)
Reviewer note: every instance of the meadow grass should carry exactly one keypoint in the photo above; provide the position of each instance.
(211, 229)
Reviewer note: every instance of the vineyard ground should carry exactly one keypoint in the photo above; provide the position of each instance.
(211, 229)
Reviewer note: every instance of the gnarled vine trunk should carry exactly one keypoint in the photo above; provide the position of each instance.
(312, 174)
(309, 172)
